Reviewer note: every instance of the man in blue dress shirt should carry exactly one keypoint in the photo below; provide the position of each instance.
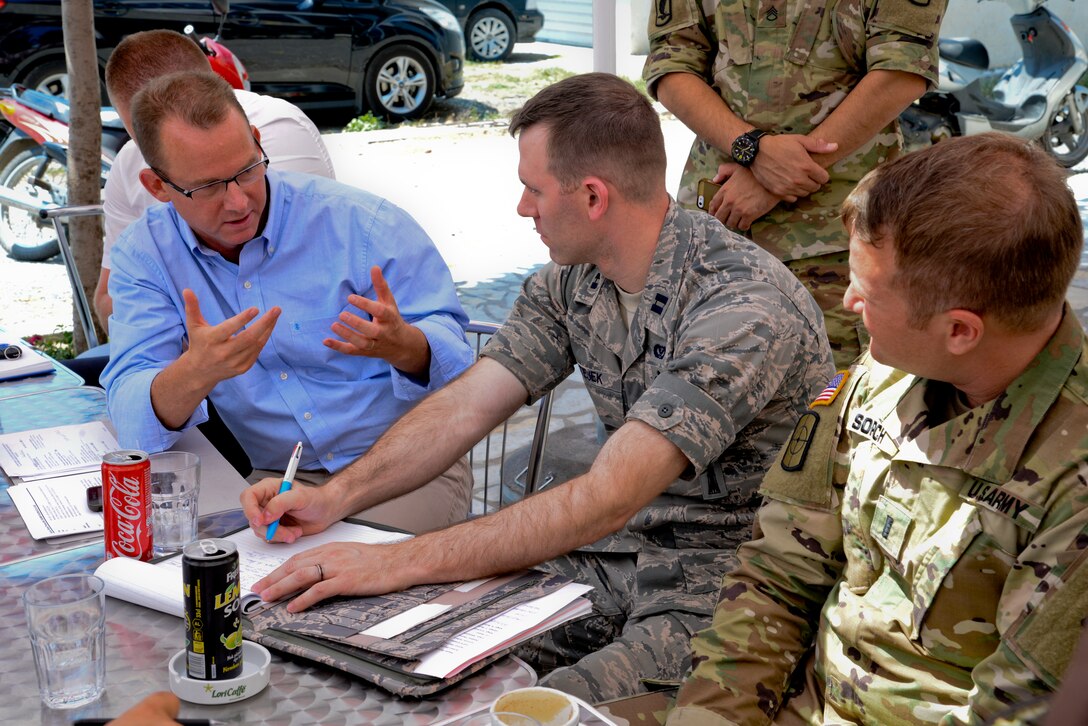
(271, 293)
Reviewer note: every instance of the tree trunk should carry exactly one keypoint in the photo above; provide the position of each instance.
(85, 145)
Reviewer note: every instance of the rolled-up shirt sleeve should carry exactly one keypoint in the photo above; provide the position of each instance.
(146, 335)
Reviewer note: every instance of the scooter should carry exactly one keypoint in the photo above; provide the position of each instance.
(1037, 98)
(34, 154)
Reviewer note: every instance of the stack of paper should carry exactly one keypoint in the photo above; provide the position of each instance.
(412, 642)
(30, 363)
(55, 467)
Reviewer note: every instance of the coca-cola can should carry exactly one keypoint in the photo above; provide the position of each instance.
(126, 504)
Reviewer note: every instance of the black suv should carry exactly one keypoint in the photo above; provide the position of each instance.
(493, 26)
(392, 57)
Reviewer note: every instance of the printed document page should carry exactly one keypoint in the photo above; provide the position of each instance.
(518, 623)
(58, 506)
(43, 453)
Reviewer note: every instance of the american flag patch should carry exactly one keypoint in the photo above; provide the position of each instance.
(828, 395)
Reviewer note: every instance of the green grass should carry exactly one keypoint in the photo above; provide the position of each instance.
(367, 122)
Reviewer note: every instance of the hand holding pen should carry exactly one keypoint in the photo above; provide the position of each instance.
(285, 486)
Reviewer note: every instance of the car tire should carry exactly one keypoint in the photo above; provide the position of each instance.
(490, 35)
(50, 76)
(400, 83)
(22, 235)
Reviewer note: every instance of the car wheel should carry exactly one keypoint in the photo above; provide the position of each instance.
(400, 83)
(50, 77)
(490, 35)
(22, 234)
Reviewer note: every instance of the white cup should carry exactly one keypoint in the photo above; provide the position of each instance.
(499, 719)
(175, 489)
(547, 705)
(66, 617)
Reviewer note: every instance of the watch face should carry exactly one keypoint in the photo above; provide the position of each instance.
(744, 149)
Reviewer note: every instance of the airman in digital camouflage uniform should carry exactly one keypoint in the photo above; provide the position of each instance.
(920, 556)
(699, 370)
(826, 82)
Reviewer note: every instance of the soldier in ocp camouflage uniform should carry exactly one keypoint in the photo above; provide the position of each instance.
(801, 70)
(920, 557)
(699, 370)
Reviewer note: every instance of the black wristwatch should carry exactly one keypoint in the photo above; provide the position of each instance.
(746, 146)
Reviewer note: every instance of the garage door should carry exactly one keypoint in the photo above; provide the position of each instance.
(569, 22)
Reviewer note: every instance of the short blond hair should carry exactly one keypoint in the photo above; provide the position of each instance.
(199, 99)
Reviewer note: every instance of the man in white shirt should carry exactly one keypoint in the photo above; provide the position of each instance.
(290, 139)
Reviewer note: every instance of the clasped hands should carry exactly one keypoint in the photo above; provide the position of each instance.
(218, 352)
(784, 170)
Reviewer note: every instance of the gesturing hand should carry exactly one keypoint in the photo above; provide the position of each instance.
(386, 335)
(219, 352)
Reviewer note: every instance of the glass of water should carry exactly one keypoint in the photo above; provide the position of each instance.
(175, 488)
(66, 617)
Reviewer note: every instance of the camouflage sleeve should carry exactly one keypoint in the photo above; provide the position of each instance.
(767, 614)
(902, 36)
(769, 607)
(731, 353)
(533, 343)
(1042, 611)
(681, 41)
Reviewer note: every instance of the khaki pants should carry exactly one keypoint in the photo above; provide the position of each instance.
(436, 505)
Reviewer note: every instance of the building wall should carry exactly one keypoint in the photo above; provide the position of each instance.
(987, 21)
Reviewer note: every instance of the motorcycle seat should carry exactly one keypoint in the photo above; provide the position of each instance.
(965, 51)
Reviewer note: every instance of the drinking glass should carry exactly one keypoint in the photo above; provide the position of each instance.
(66, 617)
(175, 488)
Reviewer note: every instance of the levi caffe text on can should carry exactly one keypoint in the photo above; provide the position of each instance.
(213, 609)
(126, 504)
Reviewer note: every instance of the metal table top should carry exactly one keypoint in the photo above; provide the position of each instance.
(34, 411)
(140, 642)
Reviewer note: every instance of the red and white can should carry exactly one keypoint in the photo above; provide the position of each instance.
(126, 504)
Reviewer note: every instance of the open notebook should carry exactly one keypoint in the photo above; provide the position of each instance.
(414, 642)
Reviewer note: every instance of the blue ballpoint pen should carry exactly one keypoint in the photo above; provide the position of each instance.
(285, 486)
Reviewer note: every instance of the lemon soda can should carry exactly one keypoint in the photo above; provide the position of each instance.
(213, 612)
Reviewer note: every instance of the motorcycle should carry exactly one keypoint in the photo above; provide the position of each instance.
(1037, 98)
(34, 153)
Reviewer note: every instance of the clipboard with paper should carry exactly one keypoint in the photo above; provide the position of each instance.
(411, 643)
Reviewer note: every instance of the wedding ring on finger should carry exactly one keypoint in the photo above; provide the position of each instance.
(320, 573)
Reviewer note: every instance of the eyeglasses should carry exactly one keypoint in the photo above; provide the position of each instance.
(10, 352)
(211, 190)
